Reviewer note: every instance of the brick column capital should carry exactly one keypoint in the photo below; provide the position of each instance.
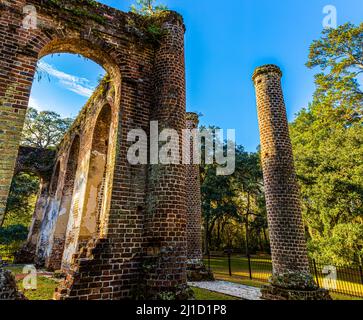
(266, 70)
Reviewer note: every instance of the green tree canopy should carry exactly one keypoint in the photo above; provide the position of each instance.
(233, 206)
(147, 7)
(328, 146)
(339, 55)
(44, 129)
(41, 130)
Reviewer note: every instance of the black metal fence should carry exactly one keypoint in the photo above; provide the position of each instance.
(341, 280)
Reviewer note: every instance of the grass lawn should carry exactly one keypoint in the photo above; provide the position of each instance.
(262, 270)
(259, 284)
(15, 269)
(45, 285)
(45, 289)
(239, 280)
(202, 294)
(338, 296)
(261, 267)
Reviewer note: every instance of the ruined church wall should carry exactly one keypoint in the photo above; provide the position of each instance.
(63, 215)
(150, 81)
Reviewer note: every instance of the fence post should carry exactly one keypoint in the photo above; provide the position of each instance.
(316, 273)
(249, 265)
(229, 263)
(361, 273)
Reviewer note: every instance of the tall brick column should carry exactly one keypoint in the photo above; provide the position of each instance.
(196, 269)
(166, 200)
(17, 66)
(288, 244)
(194, 205)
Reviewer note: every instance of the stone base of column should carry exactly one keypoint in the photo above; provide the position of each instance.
(294, 286)
(179, 293)
(197, 271)
(275, 293)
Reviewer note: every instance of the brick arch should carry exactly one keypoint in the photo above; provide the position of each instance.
(72, 165)
(98, 176)
(22, 50)
(90, 47)
(37, 47)
(95, 179)
(152, 87)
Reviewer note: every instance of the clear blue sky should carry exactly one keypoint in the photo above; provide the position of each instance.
(225, 41)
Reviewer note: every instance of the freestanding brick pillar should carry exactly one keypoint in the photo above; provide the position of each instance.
(291, 276)
(194, 205)
(196, 269)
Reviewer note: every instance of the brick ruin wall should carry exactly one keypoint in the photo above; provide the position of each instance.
(142, 222)
(71, 216)
(133, 242)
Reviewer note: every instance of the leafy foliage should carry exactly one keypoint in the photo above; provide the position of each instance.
(21, 201)
(147, 7)
(328, 146)
(13, 233)
(44, 129)
(233, 206)
(344, 245)
(339, 54)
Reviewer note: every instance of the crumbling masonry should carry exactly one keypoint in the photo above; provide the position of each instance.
(121, 227)
(119, 230)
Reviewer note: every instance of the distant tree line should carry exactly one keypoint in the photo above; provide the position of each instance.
(328, 146)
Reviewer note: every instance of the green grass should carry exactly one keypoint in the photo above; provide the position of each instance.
(202, 294)
(240, 274)
(239, 266)
(338, 296)
(239, 280)
(45, 286)
(45, 289)
(15, 269)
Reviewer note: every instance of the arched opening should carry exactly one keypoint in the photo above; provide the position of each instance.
(25, 192)
(59, 203)
(63, 83)
(95, 196)
(54, 259)
(58, 93)
(59, 236)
